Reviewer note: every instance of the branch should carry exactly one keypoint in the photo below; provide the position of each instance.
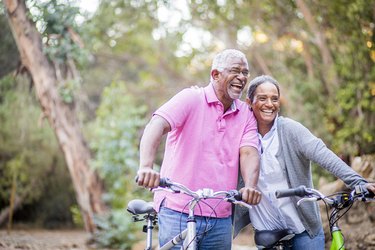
(329, 73)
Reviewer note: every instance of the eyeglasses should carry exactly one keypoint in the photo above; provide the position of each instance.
(237, 72)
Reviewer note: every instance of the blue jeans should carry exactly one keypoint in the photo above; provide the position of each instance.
(212, 233)
(303, 241)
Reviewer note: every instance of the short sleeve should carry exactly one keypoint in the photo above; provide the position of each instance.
(178, 108)
(250, 136)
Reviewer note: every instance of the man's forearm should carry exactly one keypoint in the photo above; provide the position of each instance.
(150, 142)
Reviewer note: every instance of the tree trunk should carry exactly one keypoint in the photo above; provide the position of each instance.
(61, 116)
(329, 73)
(5, 213)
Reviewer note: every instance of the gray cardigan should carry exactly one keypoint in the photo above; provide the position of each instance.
(298, 148)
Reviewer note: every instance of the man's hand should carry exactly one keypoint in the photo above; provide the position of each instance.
(250, 195)
(148, 178)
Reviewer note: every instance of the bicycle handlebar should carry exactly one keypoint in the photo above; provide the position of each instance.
(233, 196)
(310, 194)
(299, 191)
(164, 182)
(338, 202)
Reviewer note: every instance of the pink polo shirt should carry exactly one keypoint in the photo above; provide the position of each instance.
(202, 148)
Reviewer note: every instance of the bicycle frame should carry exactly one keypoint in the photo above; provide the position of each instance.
(139, 207)
(337, 239)
(189, 235)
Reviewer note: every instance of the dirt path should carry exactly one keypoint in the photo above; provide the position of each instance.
(358, 226)
(35, 239)
(43, 239)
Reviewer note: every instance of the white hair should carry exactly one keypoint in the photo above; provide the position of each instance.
(222, 59)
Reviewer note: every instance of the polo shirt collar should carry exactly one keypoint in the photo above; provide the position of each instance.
(211, 97)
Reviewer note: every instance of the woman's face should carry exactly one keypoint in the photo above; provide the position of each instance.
(266, 104)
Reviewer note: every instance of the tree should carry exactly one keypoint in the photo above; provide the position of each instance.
(8, 48)
(114, 139)
(322, 53)
(31, 163)
(48, 76)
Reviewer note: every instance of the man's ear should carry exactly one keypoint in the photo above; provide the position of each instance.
(215, 74)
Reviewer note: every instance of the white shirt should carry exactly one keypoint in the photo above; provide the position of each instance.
(272, 213)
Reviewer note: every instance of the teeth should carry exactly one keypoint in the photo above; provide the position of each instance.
(267, 111)
(237, 86)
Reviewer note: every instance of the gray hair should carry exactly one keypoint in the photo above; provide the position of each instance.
(258, 81)
(222, 59)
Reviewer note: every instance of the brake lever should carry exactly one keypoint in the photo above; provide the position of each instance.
(305, 199)
(241, 203)
(164, 189)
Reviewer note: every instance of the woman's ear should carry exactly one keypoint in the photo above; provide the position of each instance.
(248, 101)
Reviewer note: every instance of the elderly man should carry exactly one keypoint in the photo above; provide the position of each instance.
(210, 133)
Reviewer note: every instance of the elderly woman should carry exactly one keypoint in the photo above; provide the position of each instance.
(287, 150)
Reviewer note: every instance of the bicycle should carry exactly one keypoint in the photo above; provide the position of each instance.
(273, 239)
(339, 204)
(143, 211)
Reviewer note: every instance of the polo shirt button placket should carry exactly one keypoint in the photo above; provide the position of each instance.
(221, 124)
(220, 110)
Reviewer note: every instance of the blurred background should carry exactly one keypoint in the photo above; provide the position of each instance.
(105, 66)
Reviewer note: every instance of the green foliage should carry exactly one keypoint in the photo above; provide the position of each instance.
(17, 138)
(57, 23)
(77, 216)
(115, 135)
(318, 173)
(114, 230)
(114, 138)
(342, 114)
(29, 152)
(351, 35)
(68, 88)
(131, 44)
(9, 57)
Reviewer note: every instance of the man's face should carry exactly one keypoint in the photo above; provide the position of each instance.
(232, 80)
(266, 103)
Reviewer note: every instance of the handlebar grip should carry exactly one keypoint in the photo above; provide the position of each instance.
(164, 182)
(299, 191)
(237, 196)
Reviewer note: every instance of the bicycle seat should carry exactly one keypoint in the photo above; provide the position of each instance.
(270, 238)
(140, 207)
